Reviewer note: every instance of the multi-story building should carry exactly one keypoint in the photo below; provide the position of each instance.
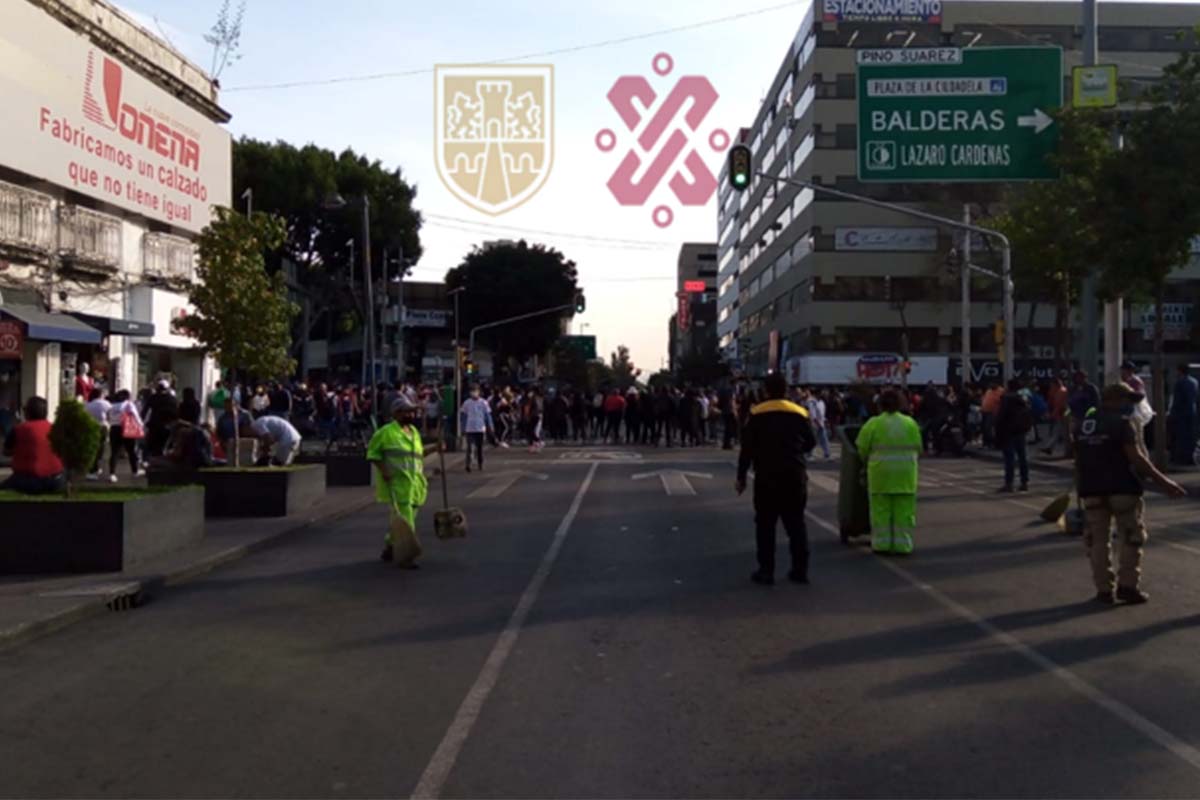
(112, 156)
(813, 283)
(695, 320)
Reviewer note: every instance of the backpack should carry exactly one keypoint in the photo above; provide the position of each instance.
(1022, 416)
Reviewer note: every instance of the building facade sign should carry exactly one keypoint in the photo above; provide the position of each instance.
(11, 339)
(922, 11)
(683, 315)
(1178, 322)
(79, 118)
(426, 318)
(886, 239)
(879, 369)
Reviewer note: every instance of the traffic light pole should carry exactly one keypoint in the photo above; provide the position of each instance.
(518, 318)
(1005, 245)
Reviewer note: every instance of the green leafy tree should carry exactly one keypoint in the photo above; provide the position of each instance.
(510, 279)
(1051, 224)
(1148, 204)
(243, 316)
(75, 438)
(295, 183)
(624, 372)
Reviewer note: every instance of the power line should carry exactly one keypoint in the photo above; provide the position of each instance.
(523, 232)
(649, 243)
(543, 54)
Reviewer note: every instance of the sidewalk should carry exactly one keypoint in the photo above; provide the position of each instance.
(1187, 477)
(32, 606)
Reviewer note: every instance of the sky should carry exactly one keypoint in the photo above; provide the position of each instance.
(629, 283)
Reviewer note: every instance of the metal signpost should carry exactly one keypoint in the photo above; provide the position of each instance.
(945, 114)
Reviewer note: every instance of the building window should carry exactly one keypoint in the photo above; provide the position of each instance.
(168, 257)
(89, 239)
(825, 140)
(26, 219)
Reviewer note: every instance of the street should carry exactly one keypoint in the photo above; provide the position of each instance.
(596, 635)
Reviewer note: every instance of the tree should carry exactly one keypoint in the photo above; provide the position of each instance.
(1051, 224)
(243, 317)
(295, 184)
(75, 438)
(510, 279)
(1148, 205)
(624, 373)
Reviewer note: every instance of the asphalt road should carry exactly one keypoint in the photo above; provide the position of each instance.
(597, 636)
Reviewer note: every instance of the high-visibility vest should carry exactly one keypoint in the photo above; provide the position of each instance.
(403, 453)
(890, 444)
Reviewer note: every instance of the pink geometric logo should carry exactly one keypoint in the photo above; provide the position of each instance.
(662, 142)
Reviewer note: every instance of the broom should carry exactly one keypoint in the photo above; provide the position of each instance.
(448, 523)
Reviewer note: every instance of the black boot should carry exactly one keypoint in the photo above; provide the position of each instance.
(1132, 595)
(386, 555)
(763, 578)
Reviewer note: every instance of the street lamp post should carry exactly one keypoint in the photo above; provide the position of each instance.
(457, 358)
(335, 202)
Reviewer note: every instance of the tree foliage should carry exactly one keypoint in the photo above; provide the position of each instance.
(295, 183)
(510, 279)
(624, 372)
(75, 438)
(225, 37)
(243, 316)
(1051, 224)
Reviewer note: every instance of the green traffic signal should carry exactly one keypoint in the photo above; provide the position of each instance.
(739, 167)
(580, 303)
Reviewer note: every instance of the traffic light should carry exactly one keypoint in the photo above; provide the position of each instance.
(998, 333)
(580, 303)
(470, 368)
(740, 166)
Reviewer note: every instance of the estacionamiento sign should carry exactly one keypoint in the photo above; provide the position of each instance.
(924, 11)
(946, 115)
(79, 118)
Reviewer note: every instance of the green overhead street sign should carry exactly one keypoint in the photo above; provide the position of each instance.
(944, 114)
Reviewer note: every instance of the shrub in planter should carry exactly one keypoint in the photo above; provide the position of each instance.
(75, 437)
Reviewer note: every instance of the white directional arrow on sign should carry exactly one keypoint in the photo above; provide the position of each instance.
(674, 481)
(501, 481)
(1039, 120)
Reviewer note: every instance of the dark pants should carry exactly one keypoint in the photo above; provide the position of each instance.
(118, 442)
(614, 427)
(1015, 452)
(775, 498)
(729, 423)
(31, 484)
(475, 442)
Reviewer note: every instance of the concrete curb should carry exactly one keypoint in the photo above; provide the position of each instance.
(26, 632)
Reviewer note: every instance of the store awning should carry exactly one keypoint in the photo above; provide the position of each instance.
(51, 327)
(116, 327)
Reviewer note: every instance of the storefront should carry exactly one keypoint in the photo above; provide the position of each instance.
(162, 351)
(843, 369)
(41, 368)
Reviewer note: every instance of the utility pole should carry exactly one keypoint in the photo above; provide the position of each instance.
(1114, 310)
(457, 367)
(1089, 337)
(369, 355)
(384, 358)
(966, 299)
(401, 368)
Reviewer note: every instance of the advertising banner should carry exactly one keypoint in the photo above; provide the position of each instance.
(875, 368)
(1178, 322)
(886, 239)
(77, 117)
(922, 11)
(11, 339)
(426, 318)
(683, 316)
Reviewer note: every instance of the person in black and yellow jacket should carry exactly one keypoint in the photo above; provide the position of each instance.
(776, 440)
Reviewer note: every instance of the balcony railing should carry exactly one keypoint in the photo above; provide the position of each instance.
(169, 258)
(89, 239)
(26, 219)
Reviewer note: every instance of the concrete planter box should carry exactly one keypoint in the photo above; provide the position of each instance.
(46, 537)
(341, 469)
(254, 491)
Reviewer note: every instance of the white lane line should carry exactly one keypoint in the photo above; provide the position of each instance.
(435, 774)
(823, 481)
(1110, 704)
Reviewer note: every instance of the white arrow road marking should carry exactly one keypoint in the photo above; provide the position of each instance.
(674, 481)
(501, 481)
(1039, 120)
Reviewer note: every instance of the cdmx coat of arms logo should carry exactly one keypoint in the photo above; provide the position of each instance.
(494, 132)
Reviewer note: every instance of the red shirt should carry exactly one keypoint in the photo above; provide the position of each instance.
(32, 454)
(83, 386)
(614, 402)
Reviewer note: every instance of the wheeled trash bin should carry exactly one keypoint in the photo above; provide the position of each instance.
(854, 510)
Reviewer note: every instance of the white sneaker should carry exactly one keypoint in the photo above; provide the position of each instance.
(112, 478)
(93, 476)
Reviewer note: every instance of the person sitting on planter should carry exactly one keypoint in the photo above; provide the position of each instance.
(279, 440)
(36, 469)
(225, 430)
(188, 449)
